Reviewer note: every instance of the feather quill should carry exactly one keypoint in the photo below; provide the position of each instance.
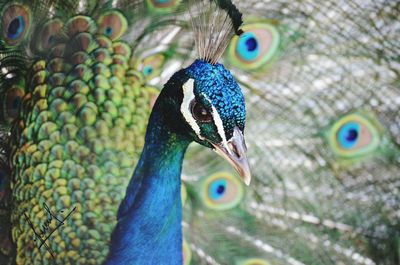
(214, 23)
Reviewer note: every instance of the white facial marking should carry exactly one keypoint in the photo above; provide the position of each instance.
(188, 96)
(219, 124)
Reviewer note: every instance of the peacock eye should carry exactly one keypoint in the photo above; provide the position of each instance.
(151, 66)
(221, 191)
(256, 47)
(112, 24)
(200, 113)
(15, 28)
(348, 135)
(16, 22)
(354, 135)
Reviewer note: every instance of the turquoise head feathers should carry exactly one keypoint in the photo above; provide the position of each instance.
(205, 97)
(212, 104)
(218, 93)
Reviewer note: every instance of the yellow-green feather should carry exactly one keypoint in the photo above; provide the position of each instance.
(82, 126)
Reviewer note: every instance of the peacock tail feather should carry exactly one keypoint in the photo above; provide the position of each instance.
(321, 79)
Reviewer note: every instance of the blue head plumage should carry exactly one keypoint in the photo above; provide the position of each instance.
(205, 104)
(215, 86)
(212, 108)
(201, 103)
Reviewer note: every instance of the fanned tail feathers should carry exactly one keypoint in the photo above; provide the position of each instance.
(314, 83)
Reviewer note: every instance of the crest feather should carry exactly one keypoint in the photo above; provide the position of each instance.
(214, 23)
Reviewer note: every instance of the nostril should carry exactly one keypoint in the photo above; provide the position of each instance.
(234, 149)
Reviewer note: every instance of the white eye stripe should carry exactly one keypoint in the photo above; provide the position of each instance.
(188, 96)
(218, 123)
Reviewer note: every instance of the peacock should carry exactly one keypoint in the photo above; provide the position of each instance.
(80, 81)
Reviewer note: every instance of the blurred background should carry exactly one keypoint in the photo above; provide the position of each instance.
(321, 80)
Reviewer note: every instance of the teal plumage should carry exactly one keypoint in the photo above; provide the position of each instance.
(321, 85)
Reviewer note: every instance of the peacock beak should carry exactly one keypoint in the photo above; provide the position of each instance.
(234, 151)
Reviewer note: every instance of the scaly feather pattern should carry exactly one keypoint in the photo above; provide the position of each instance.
(321, 80)
(74, 111)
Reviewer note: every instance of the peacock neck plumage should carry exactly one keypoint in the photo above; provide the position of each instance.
(149, 219)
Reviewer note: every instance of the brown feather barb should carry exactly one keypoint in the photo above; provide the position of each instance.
(214, 23)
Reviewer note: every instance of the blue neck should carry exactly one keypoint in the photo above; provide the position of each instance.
(149, 219)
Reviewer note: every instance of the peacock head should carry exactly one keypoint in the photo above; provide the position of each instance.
(211, 108)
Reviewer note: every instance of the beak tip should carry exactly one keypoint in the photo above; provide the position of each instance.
(247, 180)
(235, 153)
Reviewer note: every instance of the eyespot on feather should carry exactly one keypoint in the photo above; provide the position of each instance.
(112, 24)
(16, 23)
(162, 6)
(255, 47)
(221, 191)
(151, 65)
(48, 34)
(353, 135)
